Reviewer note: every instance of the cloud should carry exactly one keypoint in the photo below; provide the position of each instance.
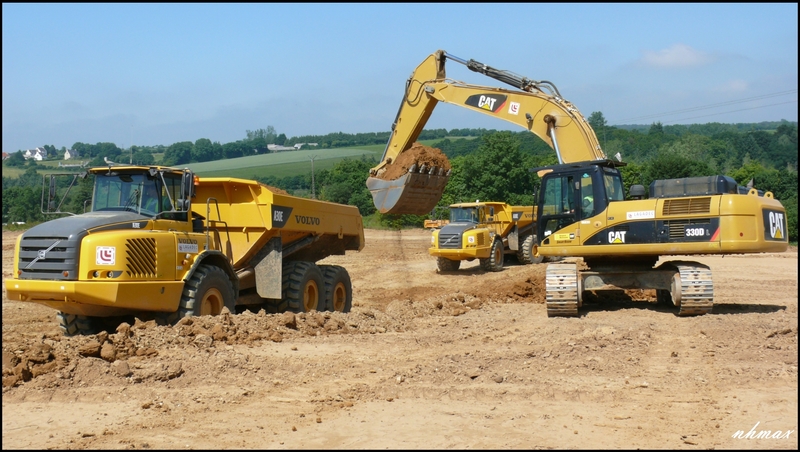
(677, 56)
(733, 86)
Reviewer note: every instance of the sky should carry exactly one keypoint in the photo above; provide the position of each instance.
(157, 74)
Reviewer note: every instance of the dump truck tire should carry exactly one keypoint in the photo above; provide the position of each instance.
(446, 265)
(526, 254)
(338, 288)
(74, 325)
(303, 287)
(494, 263)
(205, 293)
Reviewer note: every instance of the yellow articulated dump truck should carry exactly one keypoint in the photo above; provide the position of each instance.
(162, 243)
(486, 231)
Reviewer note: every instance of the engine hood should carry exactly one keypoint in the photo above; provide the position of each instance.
(456, 228)
(81, 224)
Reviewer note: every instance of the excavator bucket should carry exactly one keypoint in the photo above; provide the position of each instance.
(413, 193)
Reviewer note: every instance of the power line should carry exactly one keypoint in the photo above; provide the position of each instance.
(705, 107)
(732, 111)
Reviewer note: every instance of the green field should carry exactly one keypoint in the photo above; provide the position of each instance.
(281, 164)
(44, 167)
(288, 163)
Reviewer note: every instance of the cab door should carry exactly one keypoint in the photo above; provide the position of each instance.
(559, 206)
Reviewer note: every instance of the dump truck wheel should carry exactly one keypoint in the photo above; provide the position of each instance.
(494, 263)
(302, 287)
(206, 293)
(73, 325)
(526, 254)
(446, 265)
(167, 318)
(338, 288)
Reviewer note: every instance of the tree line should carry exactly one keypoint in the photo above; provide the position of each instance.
(204, 150)
(493, 166)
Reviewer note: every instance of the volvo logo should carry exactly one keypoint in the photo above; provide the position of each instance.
(42, 253)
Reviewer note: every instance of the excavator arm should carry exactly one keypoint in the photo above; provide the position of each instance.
(534, 105)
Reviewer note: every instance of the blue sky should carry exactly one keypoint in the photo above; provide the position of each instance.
(152, 74)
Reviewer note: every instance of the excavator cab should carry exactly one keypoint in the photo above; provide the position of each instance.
(574, 192)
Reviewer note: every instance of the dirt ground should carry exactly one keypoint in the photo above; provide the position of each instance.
(465, 360)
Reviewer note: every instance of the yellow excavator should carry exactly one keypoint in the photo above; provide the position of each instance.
(581, 208)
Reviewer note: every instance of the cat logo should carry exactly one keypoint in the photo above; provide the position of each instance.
(616, 236)
(487, 103)
(490, 102)
(776, 225)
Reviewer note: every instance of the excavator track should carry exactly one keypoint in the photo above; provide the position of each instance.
(697, 289)
(562, 290)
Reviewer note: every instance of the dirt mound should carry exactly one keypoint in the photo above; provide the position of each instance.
(276, 190)
(141, 351)
(419, 154)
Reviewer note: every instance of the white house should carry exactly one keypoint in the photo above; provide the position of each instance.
(38, 154)
(71, 154)
(279, 148)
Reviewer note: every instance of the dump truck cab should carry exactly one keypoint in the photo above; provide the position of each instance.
(485, 231)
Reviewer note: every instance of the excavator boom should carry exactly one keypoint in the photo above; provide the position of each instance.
(534, 105)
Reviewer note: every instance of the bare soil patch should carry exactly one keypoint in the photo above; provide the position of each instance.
(465, 359)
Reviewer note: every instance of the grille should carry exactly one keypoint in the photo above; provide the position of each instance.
(452, 241)
(53, 258)
(141, 257)
(687, 206)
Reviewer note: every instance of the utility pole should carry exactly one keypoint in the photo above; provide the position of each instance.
(131, 144)
(313, 186)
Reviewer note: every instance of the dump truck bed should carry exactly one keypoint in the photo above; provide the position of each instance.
(254, 213)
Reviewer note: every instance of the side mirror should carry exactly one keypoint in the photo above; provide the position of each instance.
(187, 191)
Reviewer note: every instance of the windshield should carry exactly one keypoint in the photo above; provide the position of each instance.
(463, 214)
(138, 193)
(613, 184)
